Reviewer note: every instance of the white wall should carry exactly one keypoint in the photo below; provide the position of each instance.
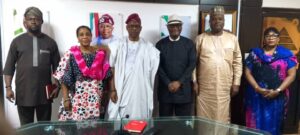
(281, 3)
(67, 15)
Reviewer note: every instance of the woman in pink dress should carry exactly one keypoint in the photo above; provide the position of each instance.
(81, 72)
(269, 70)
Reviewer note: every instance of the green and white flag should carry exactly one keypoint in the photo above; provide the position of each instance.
(18, 27)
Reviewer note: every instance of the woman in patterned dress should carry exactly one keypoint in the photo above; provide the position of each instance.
(269, 71)
(81, 72)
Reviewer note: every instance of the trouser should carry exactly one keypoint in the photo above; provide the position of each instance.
(104, 99)
(180, 109)
(26, 113)
(104, 103)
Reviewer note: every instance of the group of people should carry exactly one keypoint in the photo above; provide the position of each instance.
(113, 78)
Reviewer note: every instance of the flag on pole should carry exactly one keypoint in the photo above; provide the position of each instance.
(94, 21)
(18, 29)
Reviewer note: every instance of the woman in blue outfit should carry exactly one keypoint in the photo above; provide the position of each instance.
(269, 71)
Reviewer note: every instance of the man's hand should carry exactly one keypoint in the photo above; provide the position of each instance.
(234, 90)
(174, 86)
(10, 96)
(195, 88)
(54, 93)
(114, 96)
(171, 88)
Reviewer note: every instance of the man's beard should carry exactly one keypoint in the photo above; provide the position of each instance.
(34, 31)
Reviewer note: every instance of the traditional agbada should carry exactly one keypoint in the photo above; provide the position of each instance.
(135, 64)
(219, 67)
(135, 67)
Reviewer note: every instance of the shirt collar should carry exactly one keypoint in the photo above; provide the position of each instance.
(173, 39)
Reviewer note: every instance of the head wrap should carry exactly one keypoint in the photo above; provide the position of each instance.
(217, 10)
(135, 17)
(174, 19)
(106, 18)
(33, 11)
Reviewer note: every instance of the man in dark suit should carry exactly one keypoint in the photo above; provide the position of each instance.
(177, 62)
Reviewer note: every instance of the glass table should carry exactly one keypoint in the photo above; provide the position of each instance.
(155, 126)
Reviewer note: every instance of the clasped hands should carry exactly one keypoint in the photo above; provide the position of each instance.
(267, 93)
(174, 86)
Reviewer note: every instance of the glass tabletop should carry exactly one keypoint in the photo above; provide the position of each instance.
(155, 126)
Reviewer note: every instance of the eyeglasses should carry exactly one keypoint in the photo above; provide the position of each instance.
(272, 36)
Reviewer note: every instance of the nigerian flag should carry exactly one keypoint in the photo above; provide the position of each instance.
(18, 29)
(94, 21)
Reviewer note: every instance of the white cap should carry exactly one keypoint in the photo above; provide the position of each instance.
(174, 19)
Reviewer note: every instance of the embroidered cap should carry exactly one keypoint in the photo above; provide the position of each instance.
(106, 18)
(217, 10)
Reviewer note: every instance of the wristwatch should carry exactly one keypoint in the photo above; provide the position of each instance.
(278, 90)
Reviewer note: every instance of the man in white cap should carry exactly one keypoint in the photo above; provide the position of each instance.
(218, 70)
(34, 56)
(177, 62)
